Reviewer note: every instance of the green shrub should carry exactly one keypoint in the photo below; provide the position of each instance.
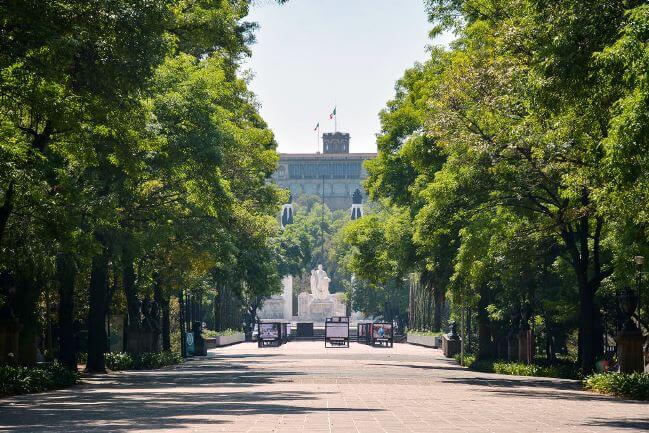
(82, 357)
(560, 370)
(124, 361)
(632, 385)
(118, 361)
(156, 360)
(469, 359)
(21, 380)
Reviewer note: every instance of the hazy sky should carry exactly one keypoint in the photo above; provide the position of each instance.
(313, 54)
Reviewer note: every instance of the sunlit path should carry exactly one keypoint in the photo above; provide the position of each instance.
(305, 387)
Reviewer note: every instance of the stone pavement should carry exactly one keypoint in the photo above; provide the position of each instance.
(303, 387)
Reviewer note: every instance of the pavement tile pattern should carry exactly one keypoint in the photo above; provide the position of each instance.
(305, 387)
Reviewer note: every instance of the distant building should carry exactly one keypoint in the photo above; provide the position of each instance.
(337, 170)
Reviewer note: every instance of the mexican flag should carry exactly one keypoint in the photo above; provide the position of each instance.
(333, 114)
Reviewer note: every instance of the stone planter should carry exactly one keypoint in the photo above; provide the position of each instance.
(224, 340)
(451, 346)
(425, 340)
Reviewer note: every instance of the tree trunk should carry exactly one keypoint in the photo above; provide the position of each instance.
(249, 318)
(166, 326)
(411, 305)
(484, 327)
(25, 307)
(181, 322)
(97, 301)
(218, 309)
(163, 302)
(440, 299)
(128, 277)
(6, 208)
(66, 271)
(587, 325)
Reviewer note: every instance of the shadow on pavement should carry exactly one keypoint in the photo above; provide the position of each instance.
(636, 424)
(147, 400)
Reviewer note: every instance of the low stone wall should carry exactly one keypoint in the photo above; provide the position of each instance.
(425, 340)
(224, 340)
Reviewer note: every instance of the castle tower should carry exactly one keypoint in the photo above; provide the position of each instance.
(287, 211)
(335, 142)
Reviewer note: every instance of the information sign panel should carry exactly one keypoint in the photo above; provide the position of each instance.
(337, 331)
(268, 331)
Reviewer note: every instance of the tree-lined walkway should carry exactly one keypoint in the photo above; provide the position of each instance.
(305, 387)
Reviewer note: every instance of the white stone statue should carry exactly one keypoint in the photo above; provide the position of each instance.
(320, 283)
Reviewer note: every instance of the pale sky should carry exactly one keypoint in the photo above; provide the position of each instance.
(313, 54)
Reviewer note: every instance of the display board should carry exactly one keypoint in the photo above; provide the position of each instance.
(337, 331)
(381, 330)
(382, 334)
(268, 331)
(364, 333)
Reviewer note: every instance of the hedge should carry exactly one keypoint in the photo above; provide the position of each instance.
(631, 385)
(123, 361)
(22, 380)
(561, 370)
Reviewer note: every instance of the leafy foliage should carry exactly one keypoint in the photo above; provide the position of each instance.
(21, 380)
(124, 361)
(564, 370)
(514, 157)
(132, 156)
(631, 385)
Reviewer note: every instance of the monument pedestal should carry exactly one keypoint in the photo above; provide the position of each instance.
(629, 351)
(451, 346)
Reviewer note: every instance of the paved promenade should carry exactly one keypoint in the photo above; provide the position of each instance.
(303, 387)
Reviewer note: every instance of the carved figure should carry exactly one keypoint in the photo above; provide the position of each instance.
(320, 283)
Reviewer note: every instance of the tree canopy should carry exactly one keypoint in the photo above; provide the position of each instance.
(132, 157)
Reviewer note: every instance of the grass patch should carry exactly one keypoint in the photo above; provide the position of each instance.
(23, 380)
(631, 385)
(124, 361)
(424, 333)
(208, 333)
(564, 370)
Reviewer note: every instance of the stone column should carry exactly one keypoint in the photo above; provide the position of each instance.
(630, 340)
(287, 295)
(303, 305)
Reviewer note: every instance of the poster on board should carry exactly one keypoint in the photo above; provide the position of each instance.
(337, 330)
(381, 331)
(268, 331)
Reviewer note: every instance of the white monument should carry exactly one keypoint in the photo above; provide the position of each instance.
(320, 304)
